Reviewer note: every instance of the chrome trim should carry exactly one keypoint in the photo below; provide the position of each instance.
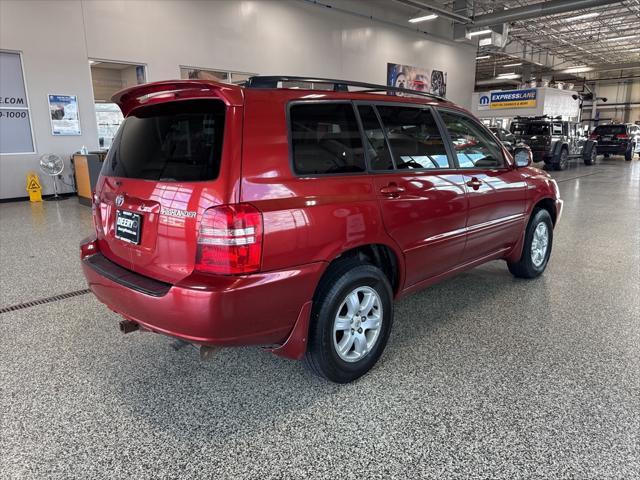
(473, 228)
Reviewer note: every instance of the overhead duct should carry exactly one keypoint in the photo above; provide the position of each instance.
(536, 10)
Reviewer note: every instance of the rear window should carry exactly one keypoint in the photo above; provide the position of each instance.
(610, 129)
(325, 139)
(169, 142)
(530, 128)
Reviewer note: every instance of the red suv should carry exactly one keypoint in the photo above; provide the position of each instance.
(291, 218)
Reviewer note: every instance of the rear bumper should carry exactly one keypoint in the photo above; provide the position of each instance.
(618, 149)
(259, 309)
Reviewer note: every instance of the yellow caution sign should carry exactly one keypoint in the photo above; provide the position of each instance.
(33, 187)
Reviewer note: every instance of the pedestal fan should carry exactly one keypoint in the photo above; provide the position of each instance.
(52, 165)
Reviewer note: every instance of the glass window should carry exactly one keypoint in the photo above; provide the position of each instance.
(474, 147)
(414, 137)
(174, 141)
(326, 139)
(610, 130)
(377, 148)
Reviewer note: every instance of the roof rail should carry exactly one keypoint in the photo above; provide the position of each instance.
(338, 85)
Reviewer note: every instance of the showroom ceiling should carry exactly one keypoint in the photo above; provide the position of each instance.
(599, 38)
(587, 42)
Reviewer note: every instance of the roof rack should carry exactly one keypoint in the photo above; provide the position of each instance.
(538, 117)
(338, 85)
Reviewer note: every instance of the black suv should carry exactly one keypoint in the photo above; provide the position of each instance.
(553, 140)
(617, 139)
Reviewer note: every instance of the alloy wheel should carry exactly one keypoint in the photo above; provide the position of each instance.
(358, 323)
(539, 244)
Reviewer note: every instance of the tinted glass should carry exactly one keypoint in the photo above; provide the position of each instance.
(530, 128)
(474, 147)
(610, 130)
(376, 144)
(176, 141)
(325, 139)
(414, 137)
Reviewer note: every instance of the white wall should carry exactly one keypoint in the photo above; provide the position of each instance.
(51, 39)
(264, 36)
(621, 92)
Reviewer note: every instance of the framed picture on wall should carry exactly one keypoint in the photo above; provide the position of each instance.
(64, 115)
(417, 78)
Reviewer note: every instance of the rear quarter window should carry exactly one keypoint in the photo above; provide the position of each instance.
(325, 139)
(174, 141)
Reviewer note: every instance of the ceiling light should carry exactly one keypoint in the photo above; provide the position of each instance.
(585, 16)
(511, 65)
(616, 39)
(511, 76)
(483, 57)
(478, 33)
(507, 74)
(578, 69)
(431, 16)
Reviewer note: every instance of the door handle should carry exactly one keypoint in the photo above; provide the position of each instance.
(474, 183)
(392, 190)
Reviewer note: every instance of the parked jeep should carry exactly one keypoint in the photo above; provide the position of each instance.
(291, 218)
(554, 141)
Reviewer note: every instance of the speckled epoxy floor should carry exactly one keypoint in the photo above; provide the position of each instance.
(485, 376)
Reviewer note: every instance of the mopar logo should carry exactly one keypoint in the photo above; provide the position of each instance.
(484, 100)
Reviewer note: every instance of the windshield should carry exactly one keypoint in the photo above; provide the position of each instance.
(174, 141)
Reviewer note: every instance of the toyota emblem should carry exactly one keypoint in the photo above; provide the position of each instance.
(119, 200)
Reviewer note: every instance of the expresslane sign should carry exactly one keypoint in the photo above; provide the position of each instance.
(513, 99)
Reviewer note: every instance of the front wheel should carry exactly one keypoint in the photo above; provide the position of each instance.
(350, 321)
(536, 250)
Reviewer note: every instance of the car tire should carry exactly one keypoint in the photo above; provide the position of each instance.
(562, 162)
(628, 155)
(591, 159)
(535, 256)
(340, 347)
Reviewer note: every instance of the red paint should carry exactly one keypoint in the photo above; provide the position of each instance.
(437, 223)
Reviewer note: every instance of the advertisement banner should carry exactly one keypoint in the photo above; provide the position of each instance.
(416, 78)
(513, 99)
(63, 111)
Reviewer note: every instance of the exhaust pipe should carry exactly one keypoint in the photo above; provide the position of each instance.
(127, 326)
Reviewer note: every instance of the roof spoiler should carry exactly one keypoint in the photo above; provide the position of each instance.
(157, 92)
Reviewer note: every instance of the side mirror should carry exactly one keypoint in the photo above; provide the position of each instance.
(522, 157)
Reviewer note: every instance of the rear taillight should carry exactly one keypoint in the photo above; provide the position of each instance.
(594, 136)
(230, 240)
(622, 136)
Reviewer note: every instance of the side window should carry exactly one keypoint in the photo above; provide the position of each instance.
(376, 143)
(556, 129)
(325, 139)
(473, 146)
(414, 137)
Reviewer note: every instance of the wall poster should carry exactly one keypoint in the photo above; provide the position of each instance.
(416, 78)
(65, 118)
(16, 134)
